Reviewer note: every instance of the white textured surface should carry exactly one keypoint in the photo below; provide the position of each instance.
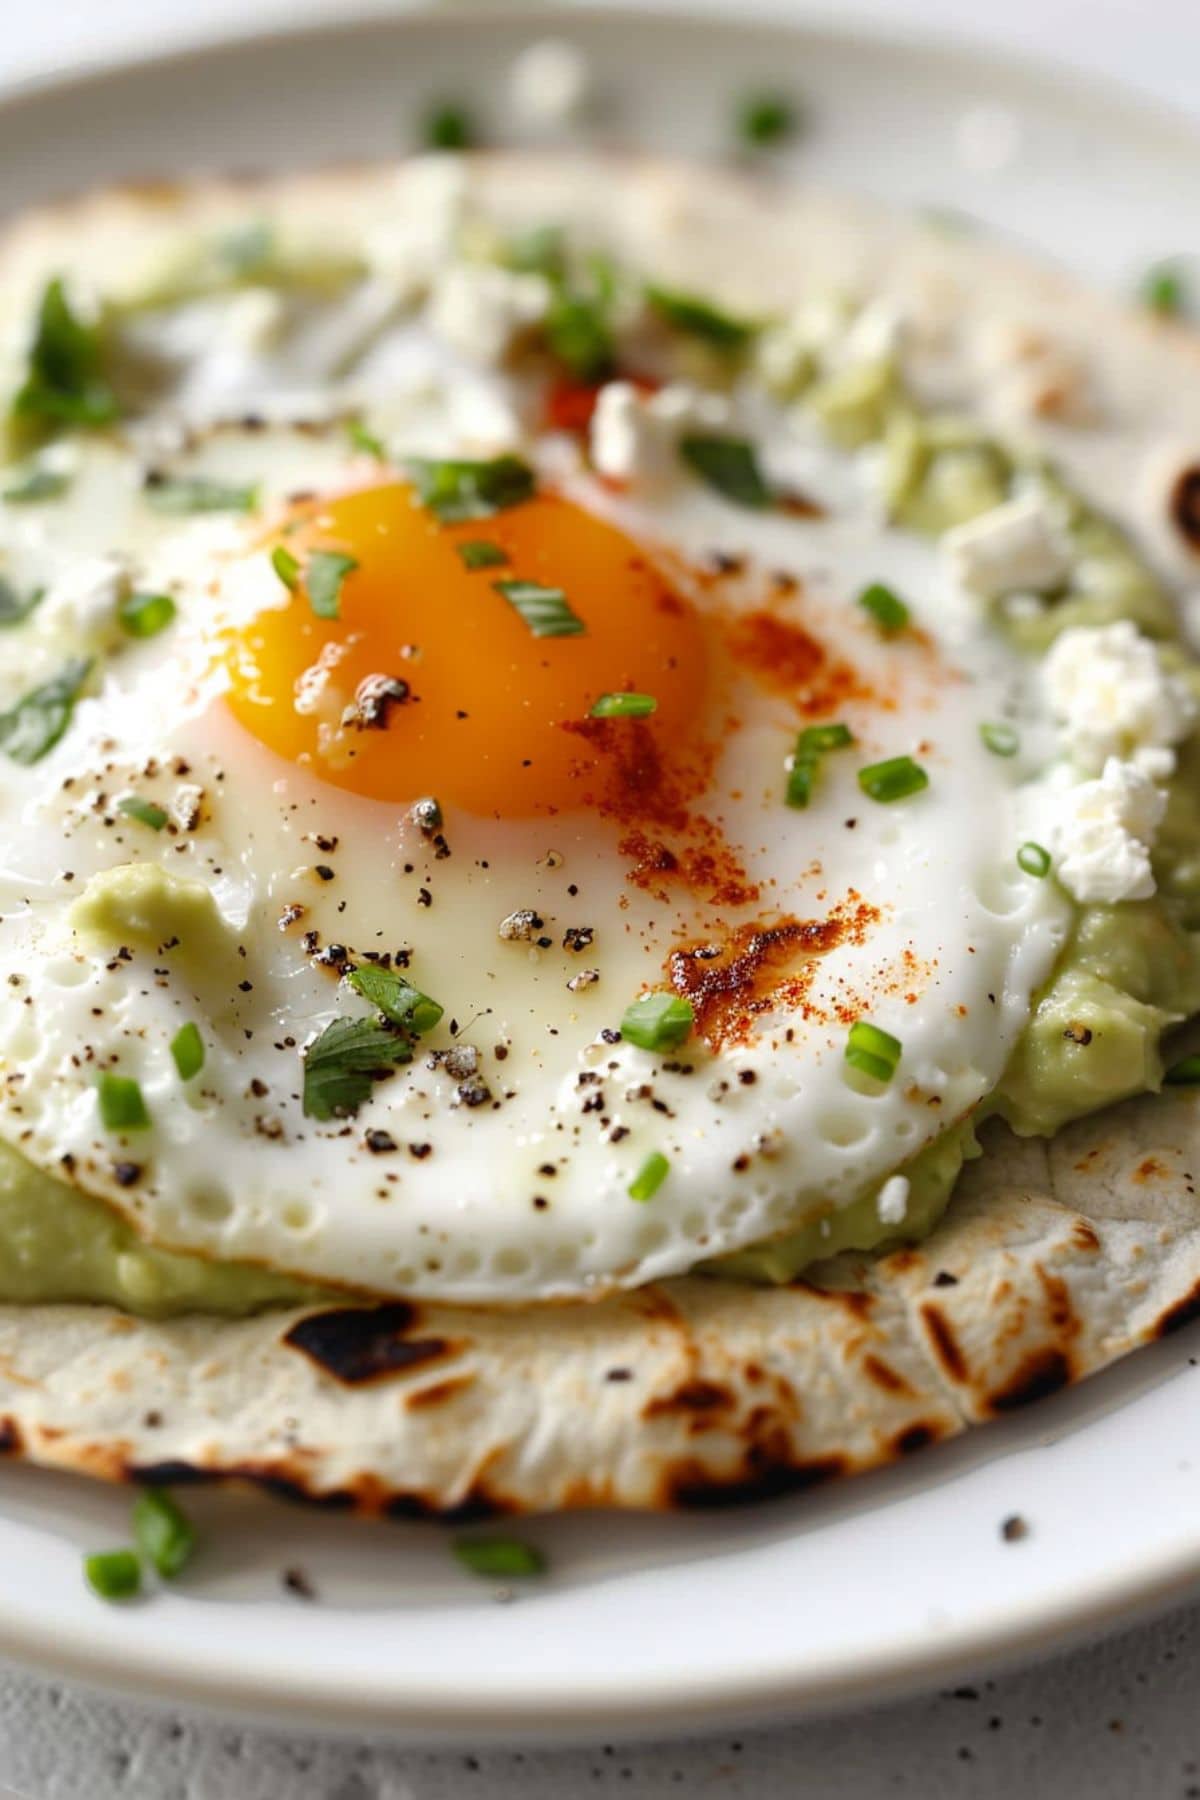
(1117, 1721)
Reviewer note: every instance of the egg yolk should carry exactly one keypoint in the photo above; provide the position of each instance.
(430, 681)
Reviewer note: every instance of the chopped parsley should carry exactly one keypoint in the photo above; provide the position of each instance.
(456, 490)
(65, 383)
(398, 1000)
(693, 315)
(197, 494)
(730, 466)
(873, 1051)
(145, 615)
(343, 1062)
(187, 1051)
(120, 1101)
(657, 1021)
(504, 1559)
(478, 553)
(894, 779)
(765, 118)
(545, 610)
(624, 706)
(144, 811)
(31, 728)
(36, 484)
(886, 607)
(162, 1532)
(650, 1177)
(327, 569)
(15, 608)
(448, 126)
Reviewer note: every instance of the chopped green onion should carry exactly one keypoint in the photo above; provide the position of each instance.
(820, 738)
(730, 466)
(813, 742)
(122, 1107)
(400, 1003)
(15, 608)
(657, 1021)
(545, 610)
(503, 1558)
(694, 315)
(765, 119)
(801, 777)
(872, 1051)
(1185, 1073)
(36, 484)
(31, 728)
(1001, 740)
(163, 1534)
(886, 608)
(894, 779)
(1164, 289)
(448, 126)
(145, 615)
(624, 706)
(343, 1062)
(1034, 860)
(366, 441)
(323, 578)
(650, 1177)
(478, 553)
(456, 490)
(187, 1051)
(198, 494)
(286, 566)
(66, 383)
(113, 1574)
(874, 1066)
(578, 333)
(144, 811)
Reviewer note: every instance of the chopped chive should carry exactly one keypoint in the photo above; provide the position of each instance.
(694, 315)
(874, 1066)
(545, 610)
(457, 490)
(1034, 860)
(504, 1558)
(366, 441)
(447, 126)
(1184, 1073)
(187, 1051)
(323, 578)
(479, 553)
(1001, 740)
(820, 738)
(198, 494)
(144, 811)
(113, 1574)
(1164, 289)
(122, 1107)
(165, 1537)
(624, 706)
(872, 1051)
(31, 728)
(766, 118)
(885, 607)
(657, 1021)
(36, 484)
(650, 1177)
(894, 779)
(730, 466)
(15, 608)
(801, 776)
(145, 615)
(399, 1002)
(286, 566)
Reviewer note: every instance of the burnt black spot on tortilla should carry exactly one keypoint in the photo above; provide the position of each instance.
(1041, 1374)
(284, 1487)
(1184, 506)
(1181, 1314)
(360, 1344)
(944, 1278)
(914, 1437)
(10, 1438)
(945, 1343)
(693, 1489)
(172, 1473)
(474, 1509)
(884, 1376)
(690, 1396)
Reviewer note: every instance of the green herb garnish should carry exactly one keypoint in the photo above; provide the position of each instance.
(36, 484)
(835, 736)
(766, 118)
(15, 608)
(693, 315)
(800, 778)
(323, 578)
(872, 1051)
(1164, 289)
(814, 742)
(478, 553)
(187, 1051)
(885, 607)
(113, 1574)
(894, 779)
(165, 1537)
(1034, 860)
(286, 566)
(66, 383)
(650, 1177)
(545, 610)
(145, 615)
(471, 490)
(366, 441)
(730, 465)
(578, 333)
(144, 811)
(624, 706)
(657, 1021)
(398, 1000)
(122, 1107)
(1184, 1073)
(1001, 740)
(342, 1063)
(31, 728)
(198, 494)
(448, 126)
(505, 1559)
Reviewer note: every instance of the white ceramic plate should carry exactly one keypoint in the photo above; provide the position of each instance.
(646, 1625)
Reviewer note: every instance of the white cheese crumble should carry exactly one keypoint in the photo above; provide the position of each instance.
(1016, 547)
(549, 82)
(481, 310)
(80, 606)
(1105, 833)
(891, 1203)
(1112, 696)
(635, 436)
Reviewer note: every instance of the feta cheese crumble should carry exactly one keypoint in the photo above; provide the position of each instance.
(1017, 547)
(892, 1200)
(481, 310)
(549, 82)
(1112, 696)
(635, 436)
(1105, 833)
